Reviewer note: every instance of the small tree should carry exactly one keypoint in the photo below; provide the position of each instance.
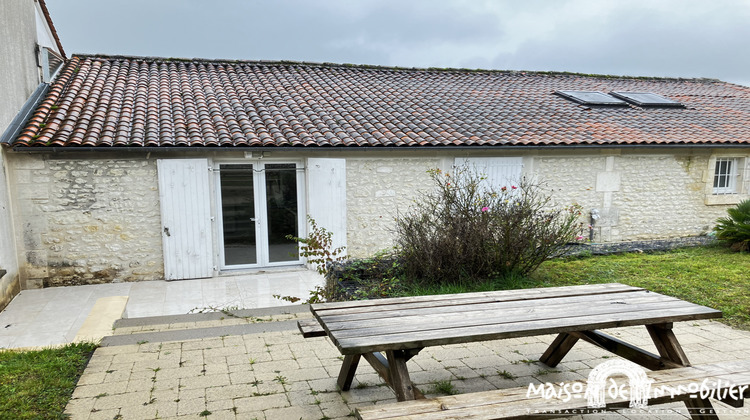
(735, 229)
(466, 229)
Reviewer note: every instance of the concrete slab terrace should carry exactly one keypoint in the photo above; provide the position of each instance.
(44, 317)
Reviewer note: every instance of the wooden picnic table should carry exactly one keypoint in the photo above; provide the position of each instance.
(401, 327)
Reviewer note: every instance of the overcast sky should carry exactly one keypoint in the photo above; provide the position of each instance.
(676, 38)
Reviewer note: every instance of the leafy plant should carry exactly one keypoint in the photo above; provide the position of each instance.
(735, 229)
(466, 229)
(445, 387)
(317, 247)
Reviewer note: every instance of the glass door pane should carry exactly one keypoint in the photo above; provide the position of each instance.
(281, 205)
(238, 214)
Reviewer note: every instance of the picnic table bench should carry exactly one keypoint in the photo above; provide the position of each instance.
(401, 327)
(730, 379)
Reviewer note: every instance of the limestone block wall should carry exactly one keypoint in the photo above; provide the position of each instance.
(376, 189)
(86, 220)
(635, 196)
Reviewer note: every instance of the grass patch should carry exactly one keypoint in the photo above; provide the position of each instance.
(445, 387)
(38, 384)
(713, 276)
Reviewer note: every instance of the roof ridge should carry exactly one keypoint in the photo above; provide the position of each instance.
(384, 68)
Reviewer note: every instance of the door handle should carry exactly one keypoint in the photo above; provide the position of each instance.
(166, 231)
(253, 219)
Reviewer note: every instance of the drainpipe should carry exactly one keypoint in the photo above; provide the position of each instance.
(594, 217)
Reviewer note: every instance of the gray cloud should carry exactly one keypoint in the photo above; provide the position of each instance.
(666, 38)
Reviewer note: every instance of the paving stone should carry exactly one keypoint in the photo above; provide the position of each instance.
(193, 405)
(79, 408)
(205, 381)
(115, 375)
(229, 392)
(242, 377)
(140, 385)
(110, 388)
(104, 414)
(89, 378)
(472, 385)
(134, 357)
(295, 412)
(149, 411)
(301, 397)
(219, 405)
(121, 400)
(335, 409)
(227, 414)
(323, 385)
(372, 394)
(181, 372)
(260, 403)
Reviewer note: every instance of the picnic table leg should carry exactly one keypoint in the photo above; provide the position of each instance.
(558, 349)
(669, 348)
(346, 375)
(400, 380)
(667, 344)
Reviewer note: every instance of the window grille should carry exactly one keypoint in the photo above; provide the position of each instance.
(725, 176)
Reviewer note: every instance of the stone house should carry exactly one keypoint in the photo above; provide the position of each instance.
(139, 168)
(30, 53)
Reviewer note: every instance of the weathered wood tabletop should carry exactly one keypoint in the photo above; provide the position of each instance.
(401, 327)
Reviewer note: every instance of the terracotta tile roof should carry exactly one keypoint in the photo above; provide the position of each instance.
(137, 101)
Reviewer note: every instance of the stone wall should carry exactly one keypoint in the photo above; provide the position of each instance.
(84, 218)
(376, 190)
(84, 221)
(636, 196)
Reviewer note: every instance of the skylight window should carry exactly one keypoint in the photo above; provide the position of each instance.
(644, 99)
(588, 97)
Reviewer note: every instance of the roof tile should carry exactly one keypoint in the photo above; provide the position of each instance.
(107, 101)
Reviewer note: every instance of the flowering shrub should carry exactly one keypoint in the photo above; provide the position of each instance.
(464, 229)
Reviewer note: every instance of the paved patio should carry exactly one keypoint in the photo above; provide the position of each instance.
(55, 315)
(255, 365)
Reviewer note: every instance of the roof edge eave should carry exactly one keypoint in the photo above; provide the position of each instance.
(198, 149)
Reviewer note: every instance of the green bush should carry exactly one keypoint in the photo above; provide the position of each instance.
(465, 229)
(735, 229)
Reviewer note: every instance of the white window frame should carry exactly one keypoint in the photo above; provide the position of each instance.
(261, 229)
(725, 180)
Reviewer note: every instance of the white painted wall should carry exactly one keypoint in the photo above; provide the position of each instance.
(19, 76)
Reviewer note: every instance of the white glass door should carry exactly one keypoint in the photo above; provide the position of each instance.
(260, 206)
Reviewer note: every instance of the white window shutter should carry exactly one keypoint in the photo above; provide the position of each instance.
(326, 192)
(499, 171)
(186, 218)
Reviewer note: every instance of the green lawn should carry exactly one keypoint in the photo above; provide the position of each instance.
(38, 384)
(711, 276)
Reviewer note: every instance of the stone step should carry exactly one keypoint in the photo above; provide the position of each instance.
(203, 325)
